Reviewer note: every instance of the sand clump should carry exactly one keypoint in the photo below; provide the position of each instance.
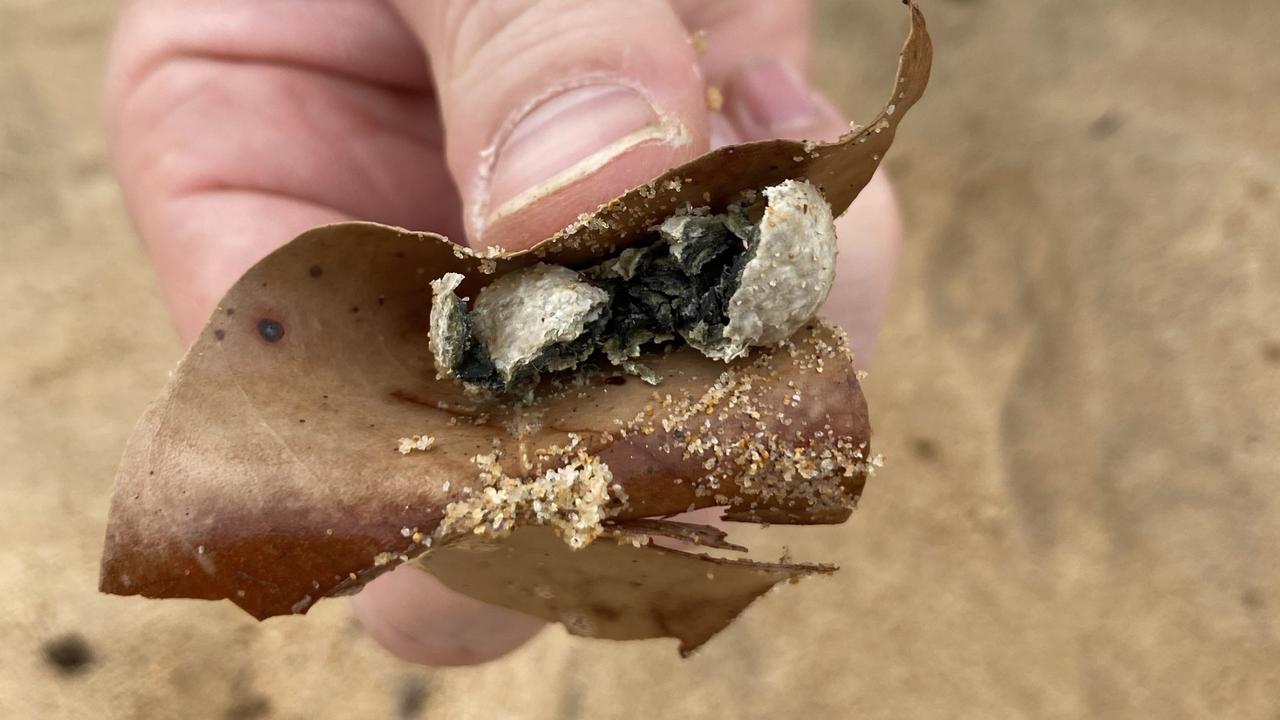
(574, 499)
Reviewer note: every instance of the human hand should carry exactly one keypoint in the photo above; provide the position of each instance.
(234, 125)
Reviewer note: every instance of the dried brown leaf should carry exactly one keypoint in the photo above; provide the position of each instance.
(267, 472)
(611, 589)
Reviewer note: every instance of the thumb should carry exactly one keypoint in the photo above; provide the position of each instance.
(552, 107)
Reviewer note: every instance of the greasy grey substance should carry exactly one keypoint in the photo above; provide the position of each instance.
(458, 353)
(720, 283)
(450, 331)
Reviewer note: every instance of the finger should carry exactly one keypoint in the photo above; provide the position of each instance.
(734, 37)
(756, 53)
(552, 107)
(870, 235)
(236, 125)
(202, 242)
(417, 618)
(770, 98)
(735, 33)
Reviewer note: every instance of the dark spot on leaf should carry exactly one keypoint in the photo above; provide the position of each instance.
(1105, 125)
(615, 380)
(1251, 598)
(249, 708)
(301, 420)
(381, 299)
(315, 271)
(411, 696)
(219, 333)
(355, 308)
(230, 311)
(68, 654)
(270, 330)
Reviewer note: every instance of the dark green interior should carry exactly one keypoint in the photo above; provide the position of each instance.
(676, 289)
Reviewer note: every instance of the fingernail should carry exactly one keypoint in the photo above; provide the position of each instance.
(770, 98)
(561, 140)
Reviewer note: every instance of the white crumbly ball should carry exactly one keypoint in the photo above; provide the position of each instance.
(520, 314)
(792, 271)
(446, 339)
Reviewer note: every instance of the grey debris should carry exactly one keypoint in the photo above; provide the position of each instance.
(525, 312)
(450, 331)
(792, 272)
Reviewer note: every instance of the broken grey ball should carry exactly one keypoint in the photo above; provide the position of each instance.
(522, 315)
(794, 267)
(721, 283)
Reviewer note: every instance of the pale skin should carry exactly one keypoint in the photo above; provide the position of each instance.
(236, 124)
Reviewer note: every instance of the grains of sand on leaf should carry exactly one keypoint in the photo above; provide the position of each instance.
(573, 498)
(752, 457)
(406, 445)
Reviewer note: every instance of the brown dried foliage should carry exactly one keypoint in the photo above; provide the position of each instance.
(267, 473)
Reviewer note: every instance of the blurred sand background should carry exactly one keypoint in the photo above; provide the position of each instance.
(1078, 393)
